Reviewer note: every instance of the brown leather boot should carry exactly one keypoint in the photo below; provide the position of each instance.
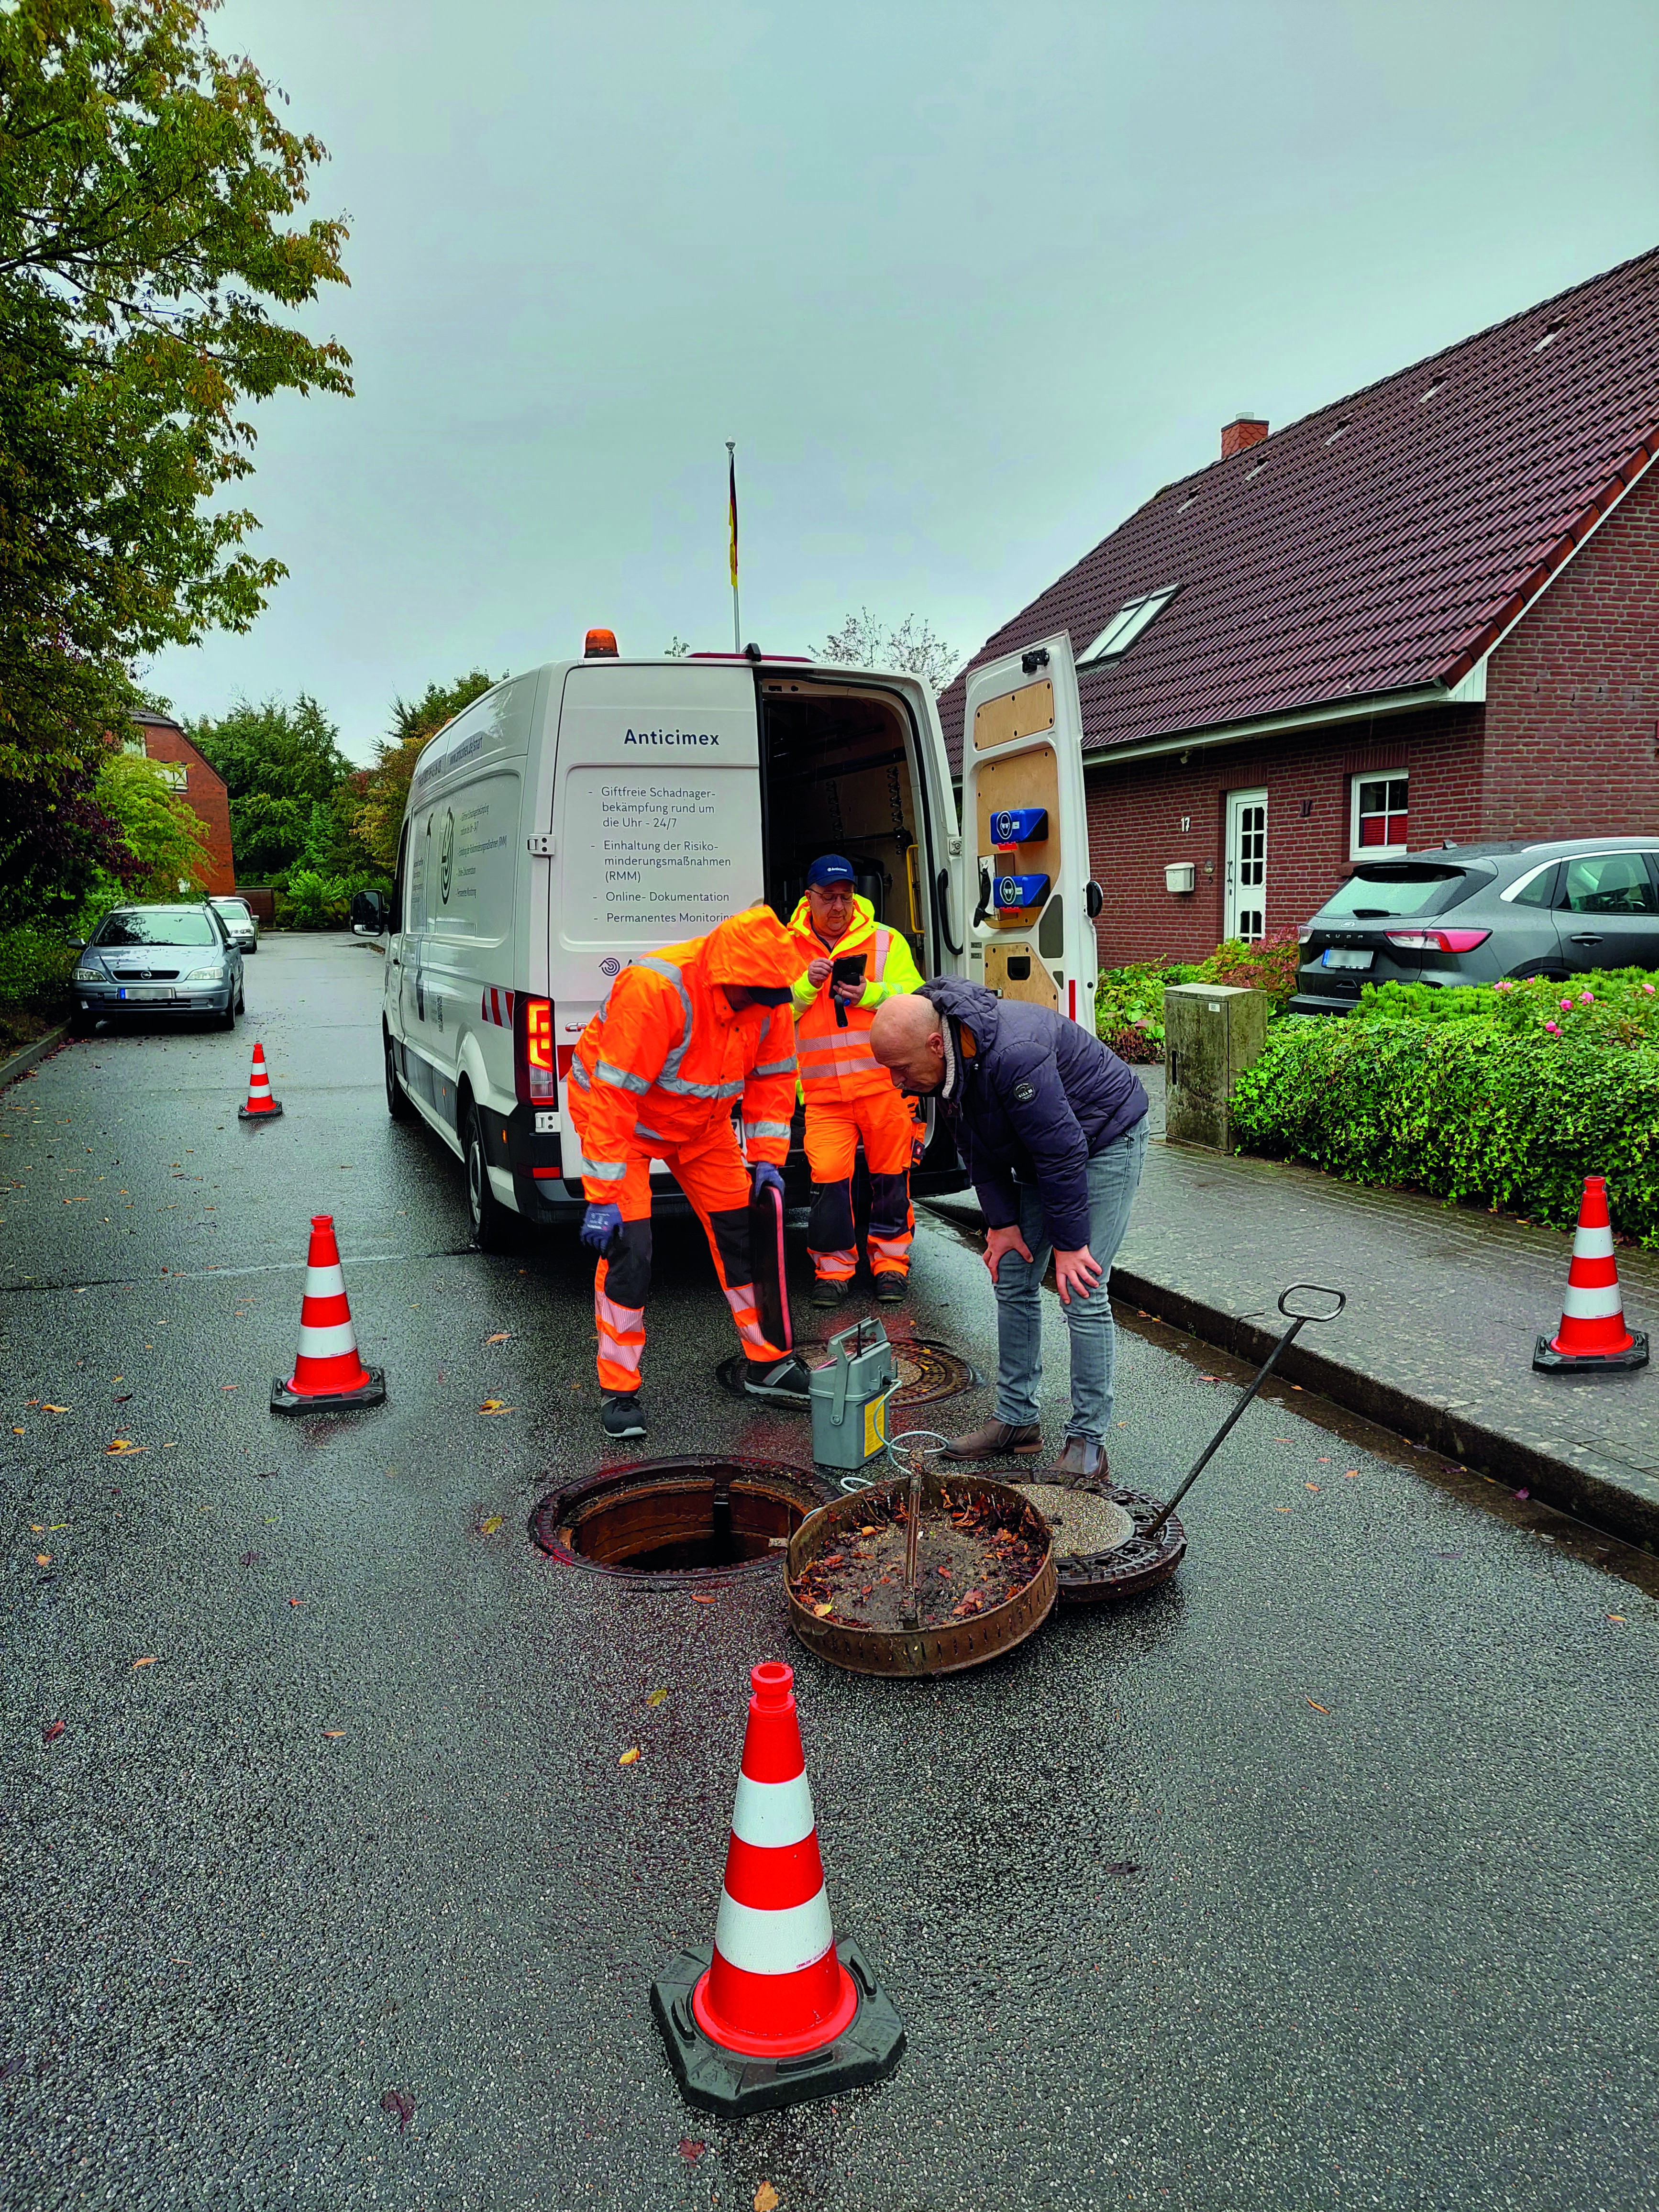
(1080, 1461)
(995, 1438)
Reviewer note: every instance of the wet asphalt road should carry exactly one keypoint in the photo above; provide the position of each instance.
(1380, 1760)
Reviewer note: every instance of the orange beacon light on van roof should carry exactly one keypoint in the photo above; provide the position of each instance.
(599, 645)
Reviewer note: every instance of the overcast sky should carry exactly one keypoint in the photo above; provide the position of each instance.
(966, 282)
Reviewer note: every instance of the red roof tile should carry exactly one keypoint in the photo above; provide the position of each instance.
(1316, 567)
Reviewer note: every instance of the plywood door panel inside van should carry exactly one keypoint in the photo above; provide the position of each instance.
(1021, 713)
(1036, 984)
(1030, 779)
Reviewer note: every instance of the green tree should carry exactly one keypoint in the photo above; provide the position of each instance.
(279, 763)
(379, 819)
(146, 256)
(165, 836)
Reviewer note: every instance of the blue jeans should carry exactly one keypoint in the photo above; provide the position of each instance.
(1114, 1175)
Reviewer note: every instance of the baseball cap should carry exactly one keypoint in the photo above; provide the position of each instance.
(830, 868)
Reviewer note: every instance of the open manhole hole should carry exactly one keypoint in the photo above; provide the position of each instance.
(927, 1371)
(679, 1519)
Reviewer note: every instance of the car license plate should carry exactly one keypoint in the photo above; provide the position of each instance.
(144, 991)
(1338, 956)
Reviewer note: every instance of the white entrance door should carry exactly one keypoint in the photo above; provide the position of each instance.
(1246, 864)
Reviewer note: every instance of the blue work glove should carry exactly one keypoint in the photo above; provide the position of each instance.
(599, 1224)
(766, 1177)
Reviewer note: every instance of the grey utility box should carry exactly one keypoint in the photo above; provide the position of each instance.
(1212, 1033)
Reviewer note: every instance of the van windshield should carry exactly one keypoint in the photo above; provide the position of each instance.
(1379, 893)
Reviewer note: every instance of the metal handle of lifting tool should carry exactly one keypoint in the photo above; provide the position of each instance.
(1296, 1319)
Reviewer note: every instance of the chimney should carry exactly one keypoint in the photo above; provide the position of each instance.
(1243, 430)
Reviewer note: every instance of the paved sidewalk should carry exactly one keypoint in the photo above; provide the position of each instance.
(1445, 1305)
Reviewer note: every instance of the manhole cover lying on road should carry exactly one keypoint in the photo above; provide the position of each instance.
(927, 1371)
(1101, 1548)
(679, 1519)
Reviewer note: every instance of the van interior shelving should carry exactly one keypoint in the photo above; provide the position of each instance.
(837, 776)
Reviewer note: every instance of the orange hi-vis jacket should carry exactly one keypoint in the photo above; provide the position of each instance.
(837, 1062)
(663, 1060)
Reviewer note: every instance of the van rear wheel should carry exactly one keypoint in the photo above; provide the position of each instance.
(397, 1100)
(493, 1223)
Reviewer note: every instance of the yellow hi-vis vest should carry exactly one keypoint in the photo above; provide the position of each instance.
(837, 1062)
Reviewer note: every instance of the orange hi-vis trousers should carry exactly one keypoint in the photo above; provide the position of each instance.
(711, 1172)
(834, 1127)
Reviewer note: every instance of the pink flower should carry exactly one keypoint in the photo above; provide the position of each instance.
(1649, 989)
(1566, 1006)
(1554, 1027)
(1587, 998)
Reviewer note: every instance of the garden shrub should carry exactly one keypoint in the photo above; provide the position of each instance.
(1268, 963)
(33, 963)
(311, 901)
(1495, 1108)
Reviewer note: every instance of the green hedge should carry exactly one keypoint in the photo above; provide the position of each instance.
(1487, 1106)
(1129, 1001)
(33, 963)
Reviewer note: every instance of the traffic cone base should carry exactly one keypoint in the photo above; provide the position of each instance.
(774, 2010)
(328, 1375)
(733, 2082)
(1592, 1338)
(261, 1106)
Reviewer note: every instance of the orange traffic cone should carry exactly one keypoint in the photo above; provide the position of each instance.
(261, 1106)
(775, 2011)
(1592, 1335)
(328, 1375)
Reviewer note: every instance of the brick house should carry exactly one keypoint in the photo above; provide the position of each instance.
(199, 784)
(1427, 611)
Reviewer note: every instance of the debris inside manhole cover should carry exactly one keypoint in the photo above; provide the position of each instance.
(974, 1554)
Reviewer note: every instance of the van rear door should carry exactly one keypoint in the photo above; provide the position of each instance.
(1025, 831)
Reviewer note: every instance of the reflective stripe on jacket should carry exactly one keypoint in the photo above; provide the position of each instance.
(837, 1062)
(665, 1057)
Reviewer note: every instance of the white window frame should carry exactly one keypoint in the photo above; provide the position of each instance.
(1127, 625)
(1356, 850)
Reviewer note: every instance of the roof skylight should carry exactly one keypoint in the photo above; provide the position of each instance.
(1126, 625)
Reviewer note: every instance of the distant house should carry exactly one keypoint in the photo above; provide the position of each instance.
(201, 786)
(1428, 611)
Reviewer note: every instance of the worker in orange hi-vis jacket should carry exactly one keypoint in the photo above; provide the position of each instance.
(685, 1035)
(849, 1097)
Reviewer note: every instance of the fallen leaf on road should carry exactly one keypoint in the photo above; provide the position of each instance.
(1281, 1508)
(1324, 1459)
(1278, 1440)
(494, 1406)
(1618, 1617)
(1351, 1474)
(296, 1601)
(766, 2198)
(138, 1663)
(47, 1407)
(230, 1386)
(401, 2106)
(248, 1557)
(125, 1398)
(689, 2148)
(629, 1757)
(333, 1733)
(43, 1558)
(697, 1598)
(829, 1605)
(656, 1696)
(121, 1445)
(1523, 1494)
(51, 1731)
(1121, 1866)
(488, 1528)
(1317, 1707)
(500, 1337)
(1311, 1485)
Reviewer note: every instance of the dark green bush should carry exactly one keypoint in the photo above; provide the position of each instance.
(1619, 1004)
(1466, 1109)
(33, 963)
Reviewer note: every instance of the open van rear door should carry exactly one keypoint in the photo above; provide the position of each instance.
(1025, 831)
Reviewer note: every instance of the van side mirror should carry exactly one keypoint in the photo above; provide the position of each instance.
(368, 914)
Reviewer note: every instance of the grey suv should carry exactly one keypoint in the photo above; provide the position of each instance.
(1471, 914)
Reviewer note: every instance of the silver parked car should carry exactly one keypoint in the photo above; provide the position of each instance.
(159, 960)
(239, 919)
(1473, 914)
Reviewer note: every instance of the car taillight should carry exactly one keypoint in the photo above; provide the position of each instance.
(1437, 940)
(534, 1065)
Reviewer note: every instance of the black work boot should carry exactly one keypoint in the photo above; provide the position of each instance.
(890, 1287)
(826, 1292)
(787, 1383)
(622, 1415)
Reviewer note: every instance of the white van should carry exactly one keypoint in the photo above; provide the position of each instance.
(579, 817)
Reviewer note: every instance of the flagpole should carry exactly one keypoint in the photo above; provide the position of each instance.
(731, 487)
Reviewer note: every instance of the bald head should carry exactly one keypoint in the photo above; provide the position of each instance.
(907, 1036)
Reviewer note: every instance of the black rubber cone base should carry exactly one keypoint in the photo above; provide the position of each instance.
(272, 1113)
(284, 1400)
(731, 2083)
(1547, 1361)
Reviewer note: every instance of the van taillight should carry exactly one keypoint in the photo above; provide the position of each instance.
(535, 1067)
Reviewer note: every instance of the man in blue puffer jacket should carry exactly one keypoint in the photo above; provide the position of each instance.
(1053, 1129)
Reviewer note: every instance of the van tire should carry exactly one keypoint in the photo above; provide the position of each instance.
(494, 1225)
(397, 1099)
